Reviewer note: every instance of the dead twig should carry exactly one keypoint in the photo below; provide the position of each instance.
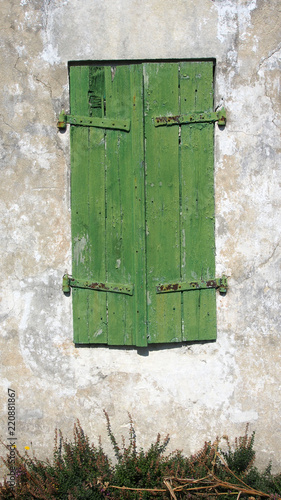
(170, 489)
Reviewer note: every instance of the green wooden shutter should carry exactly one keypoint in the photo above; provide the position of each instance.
(107, 192)
(142, 204)
(180, 201)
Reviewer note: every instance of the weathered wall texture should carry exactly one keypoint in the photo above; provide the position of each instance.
(196, 391)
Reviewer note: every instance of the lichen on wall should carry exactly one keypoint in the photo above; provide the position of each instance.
(197, 391)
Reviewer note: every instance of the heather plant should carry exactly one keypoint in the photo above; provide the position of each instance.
(241, 457)
(71, 475)
(138, 469)
(79, 470)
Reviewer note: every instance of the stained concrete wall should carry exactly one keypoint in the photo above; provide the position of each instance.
(194, 392)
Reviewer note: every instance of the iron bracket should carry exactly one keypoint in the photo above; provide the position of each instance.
(217, 283)
(92, 121)
(215, 116)
(68, 282)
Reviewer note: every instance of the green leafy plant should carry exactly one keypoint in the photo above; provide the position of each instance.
(72, 474)
(79, 470)
(138, 469)
(242, 456)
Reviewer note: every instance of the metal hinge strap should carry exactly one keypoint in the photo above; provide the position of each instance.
(219, 116)
(69, 282)
(92, 121)
(218, 283)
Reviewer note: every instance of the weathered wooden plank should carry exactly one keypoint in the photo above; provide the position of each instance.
(96, 209)
(197, 221)
(79, 79)
(138, 247)
(162, 201)
(122, 239)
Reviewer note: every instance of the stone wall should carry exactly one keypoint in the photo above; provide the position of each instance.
(194, 392)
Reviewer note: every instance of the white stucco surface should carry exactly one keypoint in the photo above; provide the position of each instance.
(194, 392)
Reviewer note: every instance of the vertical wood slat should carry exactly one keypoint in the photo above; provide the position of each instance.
(162, 201)
(117, 145)
(125, 207)
(79, 77)
(138, 208)
(197, 226)
(87, 188)
(98, 328)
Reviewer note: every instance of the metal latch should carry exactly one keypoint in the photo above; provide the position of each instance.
(92, 121)
(215, 116)
(217, 283)
(69, 282)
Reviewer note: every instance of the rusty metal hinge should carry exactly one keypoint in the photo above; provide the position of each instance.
(215, 116)
(92, 121)
(69, 282)
(217, 283)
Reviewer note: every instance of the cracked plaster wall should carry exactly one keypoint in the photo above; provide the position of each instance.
(196, 391)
